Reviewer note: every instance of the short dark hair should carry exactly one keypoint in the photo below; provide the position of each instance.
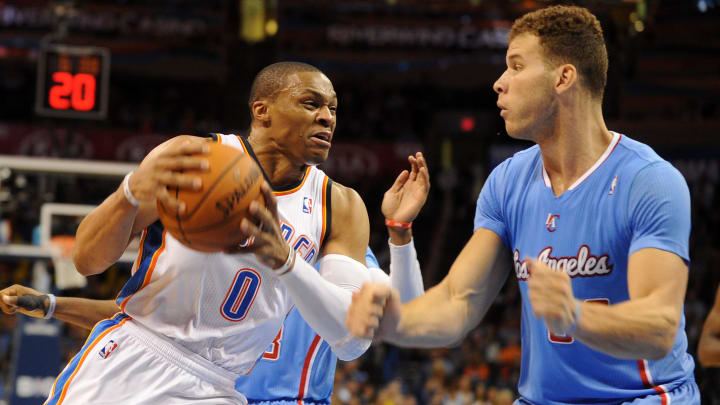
(273, 77)
(569, 34)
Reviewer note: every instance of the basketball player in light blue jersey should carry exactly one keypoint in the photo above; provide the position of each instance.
(598, 225)
(299, 367)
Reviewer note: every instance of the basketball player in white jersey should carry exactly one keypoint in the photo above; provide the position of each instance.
(192, 321)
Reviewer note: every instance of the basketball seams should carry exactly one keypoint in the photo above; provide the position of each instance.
(202, 226)
(219, 178)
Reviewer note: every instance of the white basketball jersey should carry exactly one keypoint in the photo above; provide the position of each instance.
(225, 307)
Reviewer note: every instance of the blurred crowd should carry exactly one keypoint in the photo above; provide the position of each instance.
(482, 369)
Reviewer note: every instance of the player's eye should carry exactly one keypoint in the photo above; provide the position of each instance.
(311, 103)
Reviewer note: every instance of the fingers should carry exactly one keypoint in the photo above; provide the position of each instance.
(367, 309)
(413, 167)
(400, 181)
(270, 201)
(191, 146)
(423, 173)
(178, 163)
(169, 202)
(8, 304)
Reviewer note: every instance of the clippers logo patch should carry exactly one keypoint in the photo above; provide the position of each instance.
(109, 347)
(307, 205)
(550, 222)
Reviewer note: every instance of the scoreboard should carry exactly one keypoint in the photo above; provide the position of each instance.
(72, 81)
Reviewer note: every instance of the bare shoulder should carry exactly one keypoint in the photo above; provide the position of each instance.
(345, 198)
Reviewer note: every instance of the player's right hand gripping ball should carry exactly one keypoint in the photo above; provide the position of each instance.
(211, 221)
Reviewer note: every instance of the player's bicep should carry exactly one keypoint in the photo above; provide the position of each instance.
(659, 276)
(350, 231)
(477, 275)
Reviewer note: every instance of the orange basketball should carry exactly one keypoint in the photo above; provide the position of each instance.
(211, 221)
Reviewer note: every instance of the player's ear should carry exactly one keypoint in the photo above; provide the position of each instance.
(565, 77)
(260, 112)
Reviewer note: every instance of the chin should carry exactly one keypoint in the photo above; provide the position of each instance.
(316, 159)
(518, 133)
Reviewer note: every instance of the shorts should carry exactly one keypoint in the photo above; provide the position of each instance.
(123, 363)
(686, 393)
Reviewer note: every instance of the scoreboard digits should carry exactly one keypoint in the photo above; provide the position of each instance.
(72, 82)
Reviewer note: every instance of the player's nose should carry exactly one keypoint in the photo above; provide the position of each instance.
(325, 117)
(500, 85)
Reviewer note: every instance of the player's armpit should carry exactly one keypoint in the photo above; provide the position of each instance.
(350, 227)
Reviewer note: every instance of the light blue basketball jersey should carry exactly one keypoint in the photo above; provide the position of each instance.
(298, 367)
(631, 199)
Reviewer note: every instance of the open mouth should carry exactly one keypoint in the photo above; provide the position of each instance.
(322, 138)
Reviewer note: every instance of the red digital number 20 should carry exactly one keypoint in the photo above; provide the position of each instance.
(76, 91)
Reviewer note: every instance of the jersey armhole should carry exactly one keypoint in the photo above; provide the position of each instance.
(327, 211)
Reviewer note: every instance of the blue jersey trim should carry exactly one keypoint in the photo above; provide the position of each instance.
(64, 377)
(151, 243)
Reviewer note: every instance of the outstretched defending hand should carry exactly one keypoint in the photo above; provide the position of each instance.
(404, 200)
(374, 311)
(163, 167)
(9, 301)
(262, 230)
(551, 297)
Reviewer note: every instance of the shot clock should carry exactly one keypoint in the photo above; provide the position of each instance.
(72, 81)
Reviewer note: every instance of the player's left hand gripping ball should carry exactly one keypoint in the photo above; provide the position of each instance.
(262, 226)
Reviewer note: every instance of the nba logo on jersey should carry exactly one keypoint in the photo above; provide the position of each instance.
(613, 185)
(307, 205)
(550, 222)
(109, 347)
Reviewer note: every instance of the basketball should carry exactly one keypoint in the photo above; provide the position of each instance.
(212, 217)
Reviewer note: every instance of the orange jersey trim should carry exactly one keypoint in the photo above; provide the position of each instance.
(82, 360)
(324, 211)
(305, 176)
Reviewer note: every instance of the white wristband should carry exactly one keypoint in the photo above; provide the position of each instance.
(51, 308)
(576, 320)
(126, 189)
(285, 268)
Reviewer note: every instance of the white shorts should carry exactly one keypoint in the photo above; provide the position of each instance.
(123, 363)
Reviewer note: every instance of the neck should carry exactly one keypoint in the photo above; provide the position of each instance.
(275, 163)
(573, 143)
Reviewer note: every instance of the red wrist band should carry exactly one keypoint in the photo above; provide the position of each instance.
(398, 224)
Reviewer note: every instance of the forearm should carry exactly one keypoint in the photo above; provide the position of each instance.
(324, 304)
(435, 319)
(82, 312)
(641, 328)
(104, 234)
(405, 275)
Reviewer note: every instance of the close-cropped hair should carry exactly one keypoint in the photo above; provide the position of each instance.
(569, 34)
(272, 78)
